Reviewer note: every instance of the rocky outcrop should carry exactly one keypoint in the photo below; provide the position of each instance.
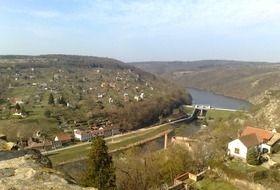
(20, 170)
(267, 110)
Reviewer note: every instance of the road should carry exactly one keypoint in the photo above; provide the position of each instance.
(135, 131)
(115, 136)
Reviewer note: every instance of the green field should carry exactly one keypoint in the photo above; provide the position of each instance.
(218, 114)
(214, 114)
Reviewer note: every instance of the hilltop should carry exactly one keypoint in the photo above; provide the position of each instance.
(86, 91)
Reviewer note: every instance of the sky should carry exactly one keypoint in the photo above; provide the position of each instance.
(143, 30)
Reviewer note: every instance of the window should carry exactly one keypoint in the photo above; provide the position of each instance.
(236, 150)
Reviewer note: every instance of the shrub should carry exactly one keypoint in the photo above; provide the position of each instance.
(260, 175)
(275, 166)
(47, 113)
(253, 157)
(276, 148)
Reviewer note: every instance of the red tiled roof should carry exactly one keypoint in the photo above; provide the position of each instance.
(64, 137)
(261, 134)
(250, 140)
(41, 144)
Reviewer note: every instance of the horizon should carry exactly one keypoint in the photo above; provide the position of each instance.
(143, 61)
(136, 31)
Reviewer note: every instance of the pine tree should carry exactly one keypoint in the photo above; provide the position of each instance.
(100, 171)
(51, 99)
(253, 157)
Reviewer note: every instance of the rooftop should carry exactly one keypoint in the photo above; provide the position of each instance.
(250, 140)
(64, 137)
(274, 139)
(262, 135)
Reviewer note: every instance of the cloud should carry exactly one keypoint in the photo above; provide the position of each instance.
(161, 13)
(160, 16)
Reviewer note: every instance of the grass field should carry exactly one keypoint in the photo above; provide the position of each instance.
(243, 167)
(118, 142)
(212, 184)
(219, 114)
(213, 114)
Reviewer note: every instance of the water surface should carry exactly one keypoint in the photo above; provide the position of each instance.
(215, 100)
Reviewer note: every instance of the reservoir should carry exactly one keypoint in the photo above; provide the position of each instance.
(209, 98)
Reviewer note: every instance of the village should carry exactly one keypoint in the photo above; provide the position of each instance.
(51, 101)
(61, 140)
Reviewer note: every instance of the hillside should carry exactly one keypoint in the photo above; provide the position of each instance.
(238, 79)
(86, 91)
(267, 109)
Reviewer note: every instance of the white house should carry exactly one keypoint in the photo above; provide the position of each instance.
(264, 136)
(82, 135)
(239, 147)
(259, 138)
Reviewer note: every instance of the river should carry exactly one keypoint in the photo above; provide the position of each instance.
(205, 98)
(209, 98)
(182, 129)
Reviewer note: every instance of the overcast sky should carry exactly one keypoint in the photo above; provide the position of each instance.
(137, 30)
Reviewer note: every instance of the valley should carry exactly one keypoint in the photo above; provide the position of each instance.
(238, 79)
(63, 95)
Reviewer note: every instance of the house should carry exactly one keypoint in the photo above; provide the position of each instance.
(275, 140)
(56, 144)
(239, 147)
(45, 145)
(263, 135)
(142, 95)
(82, 135)
(187, 180)
(97, 131)
(136, 98)
(65, 138)
(261, 139)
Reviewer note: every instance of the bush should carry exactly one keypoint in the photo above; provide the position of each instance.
(48, 113)
(275, 166)
(253, 157)
(260, 175)
(276, 148)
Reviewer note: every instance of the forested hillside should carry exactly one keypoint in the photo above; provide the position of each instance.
(231, 78)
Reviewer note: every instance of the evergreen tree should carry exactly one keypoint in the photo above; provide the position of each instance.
(100, 171)
(51, 99)
(253, 157)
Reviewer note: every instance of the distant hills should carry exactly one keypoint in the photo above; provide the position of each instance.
(238, 79)
(86, 90)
